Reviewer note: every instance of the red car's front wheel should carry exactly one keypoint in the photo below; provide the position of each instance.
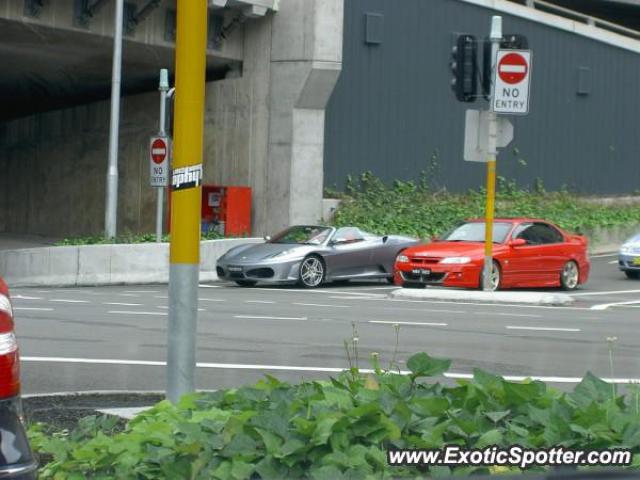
(570, 276)
(496, 278)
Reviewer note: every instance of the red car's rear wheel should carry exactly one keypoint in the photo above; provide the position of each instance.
(570, 276)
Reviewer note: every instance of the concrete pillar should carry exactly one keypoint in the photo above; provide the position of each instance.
(306, 59)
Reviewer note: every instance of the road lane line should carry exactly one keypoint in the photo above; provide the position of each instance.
(613, 292)
(129, 295)
(259, 301)
(291, 368)
(161, 296)
(604, 306)
(24, 297)
(123, 304)
(33, 309)
(613, 262)
(258, 317)
(543, 329)
(604, 255)
(320, 305)
(68, 300)
(128, 312)
(499, 314)
(209, 286)
(420, 324)
(164, 307)
(141, 291)
(211, 300)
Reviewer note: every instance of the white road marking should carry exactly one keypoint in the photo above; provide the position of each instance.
(161, 296)
(615, 261)
(543, 329)
(123, 304)
(68, 300)
(258, 301)
(604, 255)
(211, 300)
(420, 324)
(141, 291)
(525, 315)
(613, 292)
(604, 306)
(209, 286)
(320, 305)
(164, 307)
(33, 309)
(24, 297)
(129, 295)
(257, 317)
(236, 366)
(127, 312)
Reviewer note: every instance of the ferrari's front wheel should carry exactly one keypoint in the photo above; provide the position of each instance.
(311, 272)
(570, 275)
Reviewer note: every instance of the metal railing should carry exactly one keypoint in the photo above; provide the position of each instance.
(580, 17)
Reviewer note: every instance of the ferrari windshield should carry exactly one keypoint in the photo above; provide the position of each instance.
(474, 232)
(303, 235)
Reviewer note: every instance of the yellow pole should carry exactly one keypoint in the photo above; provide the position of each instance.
(490, 208)
(186, 179)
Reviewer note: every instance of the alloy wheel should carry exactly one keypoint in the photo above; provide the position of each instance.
(311, 272)
(569, 276)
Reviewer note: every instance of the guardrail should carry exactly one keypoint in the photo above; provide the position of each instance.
(580, 17)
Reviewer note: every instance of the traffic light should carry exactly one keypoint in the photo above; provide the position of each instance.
(464, 67)
(511, 41)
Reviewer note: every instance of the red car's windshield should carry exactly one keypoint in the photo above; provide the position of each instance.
(475, 231)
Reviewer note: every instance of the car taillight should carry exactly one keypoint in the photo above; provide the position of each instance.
(9, 357)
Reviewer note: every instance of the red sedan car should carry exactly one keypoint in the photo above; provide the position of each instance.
(527, 253)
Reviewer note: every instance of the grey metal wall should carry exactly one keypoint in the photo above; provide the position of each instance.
(392, 111)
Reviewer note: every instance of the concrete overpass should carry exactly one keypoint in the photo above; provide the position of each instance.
(271, 67)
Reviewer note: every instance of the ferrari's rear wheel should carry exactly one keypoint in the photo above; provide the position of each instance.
(569, 276)
(496, 278)
(311, 272)
(246, 283)
(632, 274)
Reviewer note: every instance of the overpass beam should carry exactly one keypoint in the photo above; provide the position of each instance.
(142, 15)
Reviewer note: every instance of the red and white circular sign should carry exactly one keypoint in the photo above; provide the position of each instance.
(513, 68)
(159, 150)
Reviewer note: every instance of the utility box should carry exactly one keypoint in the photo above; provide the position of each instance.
(226, 210)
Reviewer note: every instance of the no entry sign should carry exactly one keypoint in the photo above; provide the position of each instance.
(513, 74)
(159, 161)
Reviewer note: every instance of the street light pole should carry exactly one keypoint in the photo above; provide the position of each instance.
(111, 211)
(492, 152)
(186, 181)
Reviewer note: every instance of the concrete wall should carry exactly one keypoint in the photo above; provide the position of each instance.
(264, 127)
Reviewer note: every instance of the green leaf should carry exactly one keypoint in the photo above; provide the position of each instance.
(429, 407)
(591, 389)
(323, 430)
(492, 437)
(422, 365)
(271, 441)
(241, 470)
(495, 417)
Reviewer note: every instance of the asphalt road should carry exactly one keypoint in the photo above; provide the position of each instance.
(114, 338)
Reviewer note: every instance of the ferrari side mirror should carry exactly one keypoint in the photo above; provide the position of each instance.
(267, 238)
(518, 242)
(384, 239)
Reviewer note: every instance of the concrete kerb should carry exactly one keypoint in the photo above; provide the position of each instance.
(530, 298)
(90, 265)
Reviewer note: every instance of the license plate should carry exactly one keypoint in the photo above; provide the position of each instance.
(235, 269)
(421, 271)
(636, 261)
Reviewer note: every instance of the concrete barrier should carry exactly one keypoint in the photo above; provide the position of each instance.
(104, 264)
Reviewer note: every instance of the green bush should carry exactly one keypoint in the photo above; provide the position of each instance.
(127, 238)
(341, 428)
(416, 210)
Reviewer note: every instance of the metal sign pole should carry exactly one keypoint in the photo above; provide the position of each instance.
(111, 211)
(164, 88)
(186, 186)
(496, 36)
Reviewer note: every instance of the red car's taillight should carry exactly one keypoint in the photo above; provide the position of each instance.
(9, 358)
